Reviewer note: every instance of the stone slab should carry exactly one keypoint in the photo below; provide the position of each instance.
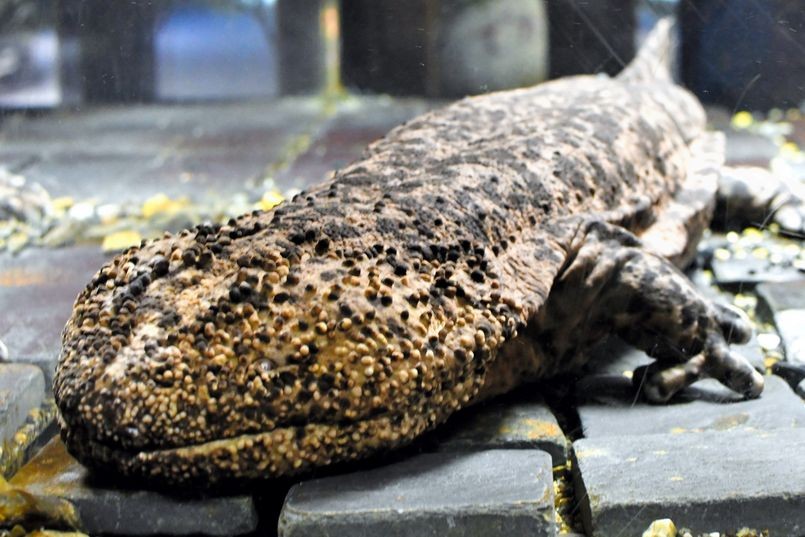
(22, 389)
(738, 274)
(785, 303)
(711, 481)
(793, 374)
(789, 324)
(488, 493)
(610, 408)
(42, 285)
(505, 424)
(111, 511)
(783, 296)
(100, 152)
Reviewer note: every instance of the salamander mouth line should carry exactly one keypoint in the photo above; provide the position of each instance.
(293, 428)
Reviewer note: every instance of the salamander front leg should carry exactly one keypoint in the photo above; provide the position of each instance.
(649, 303)
(688, 335)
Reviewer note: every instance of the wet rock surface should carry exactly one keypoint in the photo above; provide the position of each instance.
(104, 509)
(748, 272)
(487, 493)
(611, 407)
(41, 285)
(793, 374)
(710, 481)
(520, 422)
(22, 389)
(786, 304)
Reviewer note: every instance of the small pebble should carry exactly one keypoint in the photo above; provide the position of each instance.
(661, 528)
(768, 341)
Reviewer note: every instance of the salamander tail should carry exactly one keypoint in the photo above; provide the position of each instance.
(654, 60)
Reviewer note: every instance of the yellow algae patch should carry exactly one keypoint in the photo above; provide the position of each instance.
(742, 120)
(589, 453)
(62, 203)
(120, 240)
(661, 528)
(790, 150)
(730, 422)
(20, 278)
(19, 507)
(541, 429)
(270, 199)
(162, 204)
(53, 533)
(769, 361)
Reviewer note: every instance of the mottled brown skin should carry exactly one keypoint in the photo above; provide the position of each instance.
(471, 249)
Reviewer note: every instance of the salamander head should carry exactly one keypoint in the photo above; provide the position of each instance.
(248, 350)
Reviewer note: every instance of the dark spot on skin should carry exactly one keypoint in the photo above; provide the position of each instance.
(205, 259)
(189, 257)
(322, 246)
(160, 266)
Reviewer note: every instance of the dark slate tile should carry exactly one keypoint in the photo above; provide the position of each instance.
(42, 284)
(792, 373)
(746, 148)
(511, 423)
(610, 408)
(741, 273)
(782, 296)
(785, 303)
(22, 389)
(111, 511)
(789, 324)
(487, 493)
(710, 481)
(186, 150)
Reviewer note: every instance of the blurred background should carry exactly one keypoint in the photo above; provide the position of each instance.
(122, 119)
(742, 54)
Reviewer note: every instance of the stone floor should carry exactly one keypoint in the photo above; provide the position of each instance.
(575, 455)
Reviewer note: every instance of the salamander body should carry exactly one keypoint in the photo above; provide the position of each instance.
(470, 250)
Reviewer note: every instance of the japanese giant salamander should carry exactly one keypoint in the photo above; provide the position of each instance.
(470, 250)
